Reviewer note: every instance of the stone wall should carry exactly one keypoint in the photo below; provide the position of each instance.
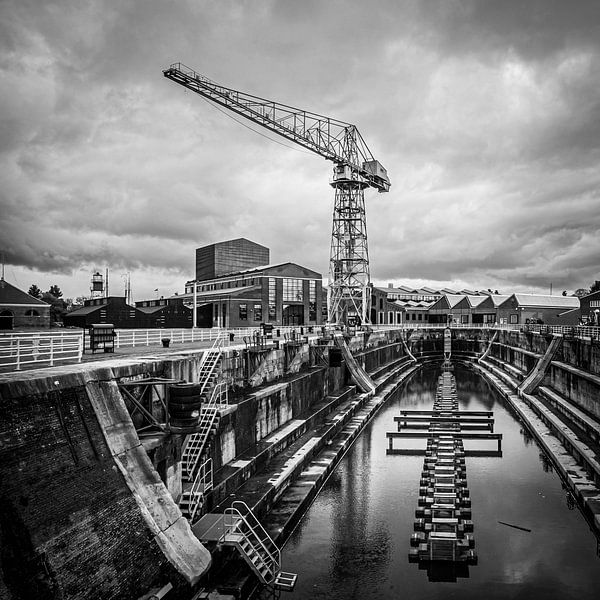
(70, 526)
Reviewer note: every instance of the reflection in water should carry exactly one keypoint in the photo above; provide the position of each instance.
(352, 543)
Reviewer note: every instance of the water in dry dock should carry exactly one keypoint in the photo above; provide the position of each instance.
(353, 542)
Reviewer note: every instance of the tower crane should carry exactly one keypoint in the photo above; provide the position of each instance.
(354, 169)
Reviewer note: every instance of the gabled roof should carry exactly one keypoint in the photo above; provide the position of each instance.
(447, 301)
(85, 310)
(454, 299)
(9, 294)
(546, 301)
(491, 301)
(476, 300)
(406, 290)
(498, 299)
(448, 291)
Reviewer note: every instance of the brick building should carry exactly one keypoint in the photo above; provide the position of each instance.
(535, 308)
(19, 309)
(281, 294)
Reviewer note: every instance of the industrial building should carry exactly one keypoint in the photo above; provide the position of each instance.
(112, 309)
(590, 308)
(235, 287)
(520, 309)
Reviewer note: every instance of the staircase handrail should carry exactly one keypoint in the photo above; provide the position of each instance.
(208, 414)
(204, 472)
(216, 347)
(233, 519)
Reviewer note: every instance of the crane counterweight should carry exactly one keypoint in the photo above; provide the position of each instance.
(354, 169)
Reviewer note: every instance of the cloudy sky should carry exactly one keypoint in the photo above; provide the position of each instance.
(485, 113)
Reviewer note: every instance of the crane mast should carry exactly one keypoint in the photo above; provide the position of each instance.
(354, 170)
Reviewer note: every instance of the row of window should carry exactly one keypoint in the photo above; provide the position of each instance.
(292, 288)
(243, 312)
(415, 297)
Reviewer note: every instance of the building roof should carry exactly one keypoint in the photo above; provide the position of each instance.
(590, 296)
(219, 293)
(259, 269)
(569, 312)
(148, 310)
(9, 294)
(476, 300)
(498, 299)
(546, 301)
(85, 310)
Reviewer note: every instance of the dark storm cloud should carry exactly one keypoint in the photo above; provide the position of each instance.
(486, 114)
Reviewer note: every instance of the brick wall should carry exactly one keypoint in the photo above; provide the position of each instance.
(69, 526)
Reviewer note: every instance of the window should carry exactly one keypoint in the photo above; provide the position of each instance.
(420, 317)
(272, 299)
(257, 312)
(32, 313)
(464, 319)
(243, 312)
(312, 301)
(513, 319)
(292, 290)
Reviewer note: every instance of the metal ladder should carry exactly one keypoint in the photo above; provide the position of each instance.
(209, 419)
(257, 548)
(196, 467)
(197, 441)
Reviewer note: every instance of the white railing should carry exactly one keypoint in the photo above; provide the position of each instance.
(240, 520)
(18, 350)
(575, 330)
(131, 338)
(203, 483)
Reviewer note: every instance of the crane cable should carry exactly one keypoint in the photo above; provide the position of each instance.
(252, 129)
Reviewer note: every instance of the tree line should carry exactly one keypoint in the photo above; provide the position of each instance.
(58, 305)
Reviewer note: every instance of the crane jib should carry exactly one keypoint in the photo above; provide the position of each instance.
(332, 139)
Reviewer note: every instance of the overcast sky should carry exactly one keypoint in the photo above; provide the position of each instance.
(485, 113)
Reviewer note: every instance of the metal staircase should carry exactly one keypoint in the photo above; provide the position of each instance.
(208, 424)
(197, 473)
(244, 532)
(192, 499)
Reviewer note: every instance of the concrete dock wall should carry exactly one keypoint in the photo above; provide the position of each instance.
(574, 373)
(83, 514)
